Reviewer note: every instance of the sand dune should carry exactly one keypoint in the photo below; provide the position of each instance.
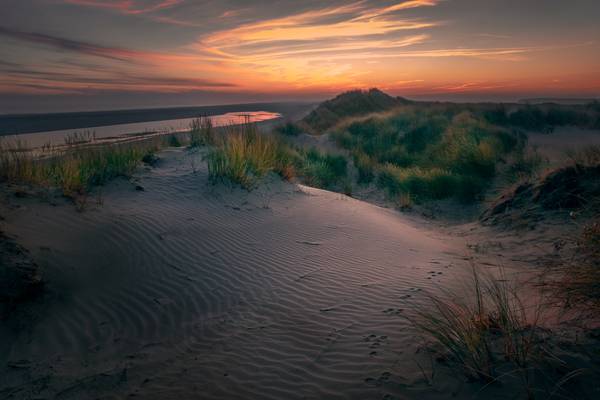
(190, 290)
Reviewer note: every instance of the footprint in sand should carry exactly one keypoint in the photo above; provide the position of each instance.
(393, 311)
(377, 382)
(375, 342)
(433, 274)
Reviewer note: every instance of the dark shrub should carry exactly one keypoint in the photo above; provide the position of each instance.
(289, 129)
(365, 167)
(530, 118)
(324, 170)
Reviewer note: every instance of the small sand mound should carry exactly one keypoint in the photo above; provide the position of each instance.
(352, 103)
(568, 188)
(20, 277)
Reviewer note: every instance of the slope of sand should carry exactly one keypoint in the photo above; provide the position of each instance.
(196, 291)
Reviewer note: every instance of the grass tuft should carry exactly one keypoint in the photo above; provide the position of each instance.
(428, 153)
(76, 170)
(493, 335)
(244, 156)
(202, 132)
(289, 129)
(326, 171)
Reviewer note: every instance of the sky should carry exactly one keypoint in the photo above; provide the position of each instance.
(72, 55)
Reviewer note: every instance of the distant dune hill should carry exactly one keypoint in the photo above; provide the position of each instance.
(348, 104)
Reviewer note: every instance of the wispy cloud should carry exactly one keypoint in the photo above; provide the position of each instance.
(131, 7)
(285, 46)
(353, 20)
(149, 9)
(92, 49)
(114, 53)
(127, 69)
(288, 46)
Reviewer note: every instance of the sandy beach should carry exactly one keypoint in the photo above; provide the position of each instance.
(299, 200)
(185, 289)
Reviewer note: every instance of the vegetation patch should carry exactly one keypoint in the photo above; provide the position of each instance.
(244, 156)
(74, 171)
(428, 154)
(572, 187)
(543, 117)
(491, 334)
(202, 132)
(289, 129)
(349, 104)
(322, 170)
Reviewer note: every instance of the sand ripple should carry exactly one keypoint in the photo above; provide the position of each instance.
(201, 292)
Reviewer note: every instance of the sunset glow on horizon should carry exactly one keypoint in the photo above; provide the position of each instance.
(223, 51)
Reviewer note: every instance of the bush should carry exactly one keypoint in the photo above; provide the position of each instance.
(324, 170)
(467, 142)
(202, 132)
(289, 129)
(244, 156)
(420, 184)
(417, 139)
(318, 174)
(174, 141)
(75, 171)
(470, 188)
(490, 334)
(529, 117)
(365, 166)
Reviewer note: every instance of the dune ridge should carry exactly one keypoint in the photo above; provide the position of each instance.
(185, 288)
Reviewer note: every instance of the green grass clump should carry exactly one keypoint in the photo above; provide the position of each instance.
(493, 335)
(541, 117)
(244, 156)
(75, 171)
(173, 141)
(365, 166)
(353, 103)
(420, 183)
(428, 153)
(202, 132)
(289, 129)
(324, 170)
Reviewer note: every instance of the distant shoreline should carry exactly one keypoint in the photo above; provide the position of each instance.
(15, 124)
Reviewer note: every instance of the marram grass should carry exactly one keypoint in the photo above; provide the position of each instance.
(243, 156)
(74, 171)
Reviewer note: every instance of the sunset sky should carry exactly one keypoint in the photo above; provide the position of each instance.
(101, 54)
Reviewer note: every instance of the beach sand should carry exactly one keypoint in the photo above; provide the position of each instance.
(189, 290)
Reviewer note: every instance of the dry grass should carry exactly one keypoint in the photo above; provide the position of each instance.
(202, 132)
(494, 336)
(467, 329)
(74, 171)
(244, 156)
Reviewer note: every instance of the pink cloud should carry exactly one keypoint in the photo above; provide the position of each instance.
(130, 7)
